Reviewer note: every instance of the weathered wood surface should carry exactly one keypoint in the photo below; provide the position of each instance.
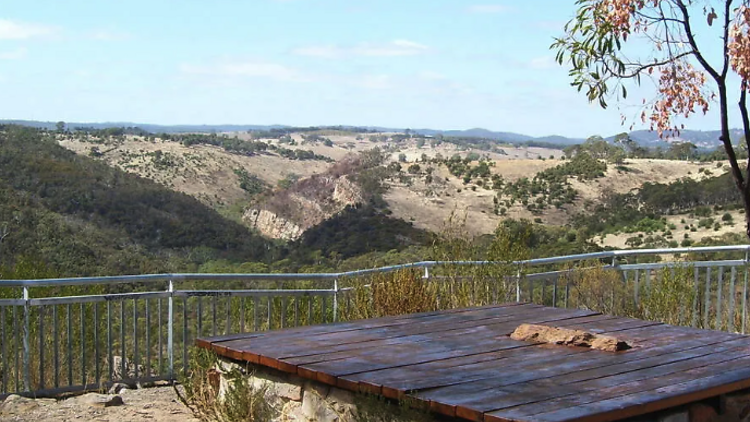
(464, 364)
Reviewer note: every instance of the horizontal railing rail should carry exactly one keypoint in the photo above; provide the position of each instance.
(145, 278)
(53, 344)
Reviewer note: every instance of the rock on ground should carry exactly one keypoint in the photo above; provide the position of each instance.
(148, 404)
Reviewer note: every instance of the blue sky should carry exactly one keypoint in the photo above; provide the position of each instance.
(442, 64)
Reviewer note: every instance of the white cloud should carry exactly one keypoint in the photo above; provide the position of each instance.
(488, 8)
(396, 48)
(10, 30)
(248, 69)
(16, 54)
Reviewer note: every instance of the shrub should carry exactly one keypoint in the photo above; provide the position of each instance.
(668, 296)
(242, 401)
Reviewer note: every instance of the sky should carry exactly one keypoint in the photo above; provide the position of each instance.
(440, 64)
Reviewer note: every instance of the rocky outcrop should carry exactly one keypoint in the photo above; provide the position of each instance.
(271, 225)
(309, 202)
(568, 337)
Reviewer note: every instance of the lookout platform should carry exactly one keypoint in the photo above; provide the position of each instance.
(464, 364)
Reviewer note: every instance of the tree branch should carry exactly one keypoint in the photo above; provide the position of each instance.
(663, 18)
(643, 67)
(727, 20)
(691, 40)
(746, 129)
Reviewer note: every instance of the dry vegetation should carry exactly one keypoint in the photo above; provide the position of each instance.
(209, 173)
(203, 171)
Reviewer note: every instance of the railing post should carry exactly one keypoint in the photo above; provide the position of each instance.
(26, 343)
(426, 273)
(744, 293)
(335, 300)
(170, 329)
(518, 283)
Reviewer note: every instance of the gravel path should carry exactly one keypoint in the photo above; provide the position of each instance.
(147, 404)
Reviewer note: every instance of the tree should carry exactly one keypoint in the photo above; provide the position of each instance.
(682, 150)
(60, 126)
(601, 47)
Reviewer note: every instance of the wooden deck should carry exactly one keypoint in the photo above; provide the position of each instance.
(463, 363)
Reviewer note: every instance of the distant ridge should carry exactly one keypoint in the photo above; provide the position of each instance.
(703, 139)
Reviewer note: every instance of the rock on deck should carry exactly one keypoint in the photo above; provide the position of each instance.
(464, 364)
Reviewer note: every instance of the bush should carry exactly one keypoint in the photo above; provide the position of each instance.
(706, 222)
(242, 402)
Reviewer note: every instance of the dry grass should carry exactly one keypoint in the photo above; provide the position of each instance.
(667, 297)
(241, 403)
(428, 206)
(207, 173)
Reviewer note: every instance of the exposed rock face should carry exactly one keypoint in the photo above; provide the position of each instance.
(309, 202)
(567, 337)
(271, 225)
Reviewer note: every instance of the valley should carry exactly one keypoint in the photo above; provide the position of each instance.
(426, 197)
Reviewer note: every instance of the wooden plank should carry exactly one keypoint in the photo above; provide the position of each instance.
(363, 325)
(399, 385)
(612, 386)
(494, 328)
(281, 344)
(423, 371)
(556, 387)
(493, 378)
(410, 354)
(421, 377)
(326, 345)
(735, 376)
(609, 325)
(490, 331)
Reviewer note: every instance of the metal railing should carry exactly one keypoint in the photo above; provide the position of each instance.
(51, 342)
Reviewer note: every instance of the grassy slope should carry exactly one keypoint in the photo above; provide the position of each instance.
(84, 217)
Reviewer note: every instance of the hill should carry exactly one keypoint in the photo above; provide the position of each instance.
(81, 217)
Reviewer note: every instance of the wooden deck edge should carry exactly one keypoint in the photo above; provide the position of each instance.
(641, 409)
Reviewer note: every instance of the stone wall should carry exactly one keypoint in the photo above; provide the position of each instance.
(297, 399)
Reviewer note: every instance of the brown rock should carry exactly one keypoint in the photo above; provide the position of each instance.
(17, 405)
(99, 400)
(567, 337)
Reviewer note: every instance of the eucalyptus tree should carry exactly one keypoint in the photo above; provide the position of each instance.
(696, 53)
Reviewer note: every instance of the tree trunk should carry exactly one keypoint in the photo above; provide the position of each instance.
(740, 181)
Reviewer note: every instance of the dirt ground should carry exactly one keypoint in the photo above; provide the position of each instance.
(147, 404)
